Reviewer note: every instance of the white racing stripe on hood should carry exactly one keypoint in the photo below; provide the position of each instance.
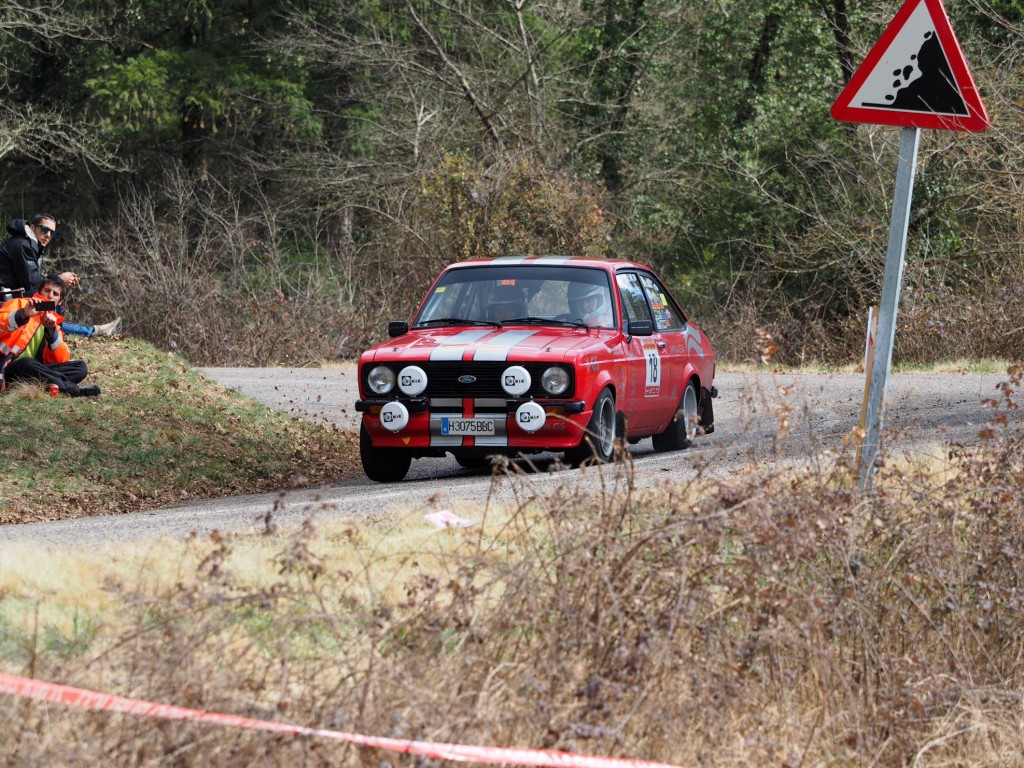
(452, 347)
(499, 347)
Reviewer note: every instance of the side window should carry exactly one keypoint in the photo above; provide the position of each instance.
(440, 303)
(453, 300)
(666, 317)
(634, 303)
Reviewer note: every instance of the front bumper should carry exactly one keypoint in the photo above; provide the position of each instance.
(562, 429)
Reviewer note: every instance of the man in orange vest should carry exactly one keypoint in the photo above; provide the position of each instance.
(32, 345)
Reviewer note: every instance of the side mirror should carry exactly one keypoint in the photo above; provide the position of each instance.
(640, 328)
(399, 328)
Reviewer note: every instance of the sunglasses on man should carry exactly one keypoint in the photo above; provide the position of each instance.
(46, 230)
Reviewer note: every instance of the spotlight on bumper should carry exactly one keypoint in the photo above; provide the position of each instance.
(530, 417)
(394, 417)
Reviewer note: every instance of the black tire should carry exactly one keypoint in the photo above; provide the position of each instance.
(598, 443)
(683, 427)
(473, 462)
(707, 413)
(382, 465)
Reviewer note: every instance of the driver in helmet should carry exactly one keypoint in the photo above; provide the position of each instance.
(506, 302)
(590, 304)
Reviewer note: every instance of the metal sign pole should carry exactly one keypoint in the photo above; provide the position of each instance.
(894, 260)
(869, 366)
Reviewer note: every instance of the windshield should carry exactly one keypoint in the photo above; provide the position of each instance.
(510, 294)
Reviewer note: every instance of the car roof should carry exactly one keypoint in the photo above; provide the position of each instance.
(549, 260)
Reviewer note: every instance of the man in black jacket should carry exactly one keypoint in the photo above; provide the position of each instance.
(21, 254)
(21, 258)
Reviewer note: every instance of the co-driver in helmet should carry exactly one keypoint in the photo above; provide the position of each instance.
(589, 304)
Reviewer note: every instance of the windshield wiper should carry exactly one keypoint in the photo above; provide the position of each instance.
(456, 321)
(545, 321)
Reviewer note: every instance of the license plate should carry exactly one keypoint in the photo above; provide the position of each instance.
(450, 426)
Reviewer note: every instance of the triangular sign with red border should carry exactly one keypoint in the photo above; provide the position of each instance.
(915, 76)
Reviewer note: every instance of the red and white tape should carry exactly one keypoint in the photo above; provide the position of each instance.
(79, 697)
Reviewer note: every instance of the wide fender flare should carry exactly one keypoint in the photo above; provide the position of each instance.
(604, 378)
(690, 372)
(705, 407)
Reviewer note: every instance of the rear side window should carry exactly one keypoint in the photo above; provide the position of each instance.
(666, 316)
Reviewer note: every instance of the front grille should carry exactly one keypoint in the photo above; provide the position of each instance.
(443, 378)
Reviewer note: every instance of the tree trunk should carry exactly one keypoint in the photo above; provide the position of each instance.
(759, 67)
(839, 19)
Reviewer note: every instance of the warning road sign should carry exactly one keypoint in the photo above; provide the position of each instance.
(915, 76)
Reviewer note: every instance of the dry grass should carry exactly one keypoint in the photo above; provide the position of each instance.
(768, 619)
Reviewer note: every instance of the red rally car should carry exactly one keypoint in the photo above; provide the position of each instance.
(519, 355)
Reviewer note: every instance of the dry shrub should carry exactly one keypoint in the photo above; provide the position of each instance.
(194, 274)
(775, 618)
(978, 321)
(225, 281)
(196, 271)
(934, 324)
(516, 206)
(802, 336)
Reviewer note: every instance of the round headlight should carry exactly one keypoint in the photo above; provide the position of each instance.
(555, 380)
(381, 380)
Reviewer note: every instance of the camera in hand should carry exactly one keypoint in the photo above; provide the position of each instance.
(45, 306)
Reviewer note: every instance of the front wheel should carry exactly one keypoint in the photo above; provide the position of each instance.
(683, 427)
(382, 465)
(598, 443)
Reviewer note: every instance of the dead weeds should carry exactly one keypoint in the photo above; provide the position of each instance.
(770, 619)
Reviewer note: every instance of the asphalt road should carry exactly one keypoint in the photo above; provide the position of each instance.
(761, 419)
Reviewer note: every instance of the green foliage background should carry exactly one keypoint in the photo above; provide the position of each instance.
(288, 155)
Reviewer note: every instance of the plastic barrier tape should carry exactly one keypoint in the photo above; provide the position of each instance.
(79, 697)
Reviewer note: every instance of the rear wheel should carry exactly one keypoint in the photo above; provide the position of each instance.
(683, 427)
(598, 443)
(383, 465)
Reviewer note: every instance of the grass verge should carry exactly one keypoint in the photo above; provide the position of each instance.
(160, 434)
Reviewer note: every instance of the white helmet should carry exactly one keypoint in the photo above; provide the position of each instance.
(580, 291)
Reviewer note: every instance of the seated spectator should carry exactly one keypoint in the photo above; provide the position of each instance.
(21, 263)
(32, 346)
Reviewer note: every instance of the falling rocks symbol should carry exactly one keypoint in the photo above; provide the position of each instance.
(933, 90)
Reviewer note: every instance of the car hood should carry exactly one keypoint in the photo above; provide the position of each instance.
(521, 343)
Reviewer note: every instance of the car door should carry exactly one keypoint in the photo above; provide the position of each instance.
(670, 332)
(644, 401)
